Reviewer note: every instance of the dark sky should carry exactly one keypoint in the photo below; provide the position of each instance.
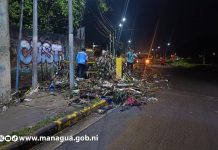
(187, 24)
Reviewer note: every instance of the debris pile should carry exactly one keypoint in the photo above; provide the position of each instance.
(127, 92)
(105, 67)
(135, 90)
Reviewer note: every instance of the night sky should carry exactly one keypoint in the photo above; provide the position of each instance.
(189, 25)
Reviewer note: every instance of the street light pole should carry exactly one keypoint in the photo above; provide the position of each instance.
(167, 49)
(114, 44)
(129, 44)
(110, 44)
(71, 51)
(115, 33)
(159, 53)
(35, 48)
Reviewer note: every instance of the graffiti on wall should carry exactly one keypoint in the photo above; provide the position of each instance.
(47, 53)
(2, 68)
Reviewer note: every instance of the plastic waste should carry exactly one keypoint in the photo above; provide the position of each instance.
(152, 99)
(52, 87)
(4, 108)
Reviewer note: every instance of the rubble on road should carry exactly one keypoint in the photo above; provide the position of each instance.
(152, 99)
(120, 92)
(140, 87)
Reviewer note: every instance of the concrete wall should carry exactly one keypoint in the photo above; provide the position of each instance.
(5, 70)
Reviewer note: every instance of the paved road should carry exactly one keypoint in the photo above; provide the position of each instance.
(184, 118)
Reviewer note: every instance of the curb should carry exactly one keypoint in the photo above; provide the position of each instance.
(57, 126)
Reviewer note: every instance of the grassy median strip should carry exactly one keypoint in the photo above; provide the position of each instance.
(28, 131)
(183, 63)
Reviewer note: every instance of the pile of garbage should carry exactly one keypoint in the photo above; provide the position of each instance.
(132, 90)
(126, 92)
(105, 66)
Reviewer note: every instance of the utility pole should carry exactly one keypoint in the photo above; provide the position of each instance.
(113, 53)
(19, 47)
(71, 51)
(110, 44)
(5, 71)
(93, 46)
(115, 42)
(35, 43)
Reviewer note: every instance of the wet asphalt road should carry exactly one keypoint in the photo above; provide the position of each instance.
(184, 118)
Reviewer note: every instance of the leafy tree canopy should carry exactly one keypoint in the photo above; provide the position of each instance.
(52, 14)
(103, 5)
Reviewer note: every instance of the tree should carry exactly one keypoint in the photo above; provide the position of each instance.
(103, 6)
(53, 14)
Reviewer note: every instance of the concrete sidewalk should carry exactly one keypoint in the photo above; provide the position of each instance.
(41, 106)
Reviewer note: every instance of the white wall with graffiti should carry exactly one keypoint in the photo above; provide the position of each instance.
(47, 52)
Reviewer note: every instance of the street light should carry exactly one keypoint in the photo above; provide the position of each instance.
(158, 47)
(129, 41)
(116, 40)
(167, 49)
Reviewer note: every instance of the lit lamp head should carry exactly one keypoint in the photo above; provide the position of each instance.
(147, 61)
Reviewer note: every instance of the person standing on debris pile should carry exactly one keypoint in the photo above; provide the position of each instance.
(82, 59)
(130, 60)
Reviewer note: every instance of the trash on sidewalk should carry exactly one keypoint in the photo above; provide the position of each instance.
(104, 109)
(152, 99)
(4, 108)
(139, 86)
(27, 100)
(32, 91)
(52, 87)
